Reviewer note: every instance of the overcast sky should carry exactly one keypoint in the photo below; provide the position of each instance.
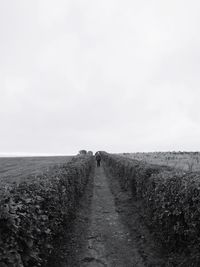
(114, 75)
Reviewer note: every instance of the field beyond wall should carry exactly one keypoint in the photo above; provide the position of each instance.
(186, 161)
(17, 169)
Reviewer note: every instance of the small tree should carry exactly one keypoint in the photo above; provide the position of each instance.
(83, 152)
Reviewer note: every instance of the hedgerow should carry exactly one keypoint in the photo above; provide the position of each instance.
(170, 200)
(34, 213)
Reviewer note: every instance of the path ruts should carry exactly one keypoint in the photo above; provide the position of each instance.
(100, 235)
(109, 244)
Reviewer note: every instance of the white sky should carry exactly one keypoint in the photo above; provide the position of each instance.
(114, 75)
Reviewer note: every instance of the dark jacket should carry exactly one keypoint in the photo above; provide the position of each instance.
(98, 157)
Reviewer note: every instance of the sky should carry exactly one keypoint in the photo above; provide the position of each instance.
(112, 75)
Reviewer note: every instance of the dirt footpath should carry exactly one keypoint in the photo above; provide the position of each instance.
(109, 243)
(108, 230)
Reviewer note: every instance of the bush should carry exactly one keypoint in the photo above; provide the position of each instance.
(34, 213)
(83, 152)
(170, 199)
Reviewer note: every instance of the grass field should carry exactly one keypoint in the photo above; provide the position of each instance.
(19, 168)
(187, 161)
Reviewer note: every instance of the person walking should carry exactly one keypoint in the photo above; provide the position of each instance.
(98, 159)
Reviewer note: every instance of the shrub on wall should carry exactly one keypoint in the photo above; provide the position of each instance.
(33, 214)
(171, 201)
